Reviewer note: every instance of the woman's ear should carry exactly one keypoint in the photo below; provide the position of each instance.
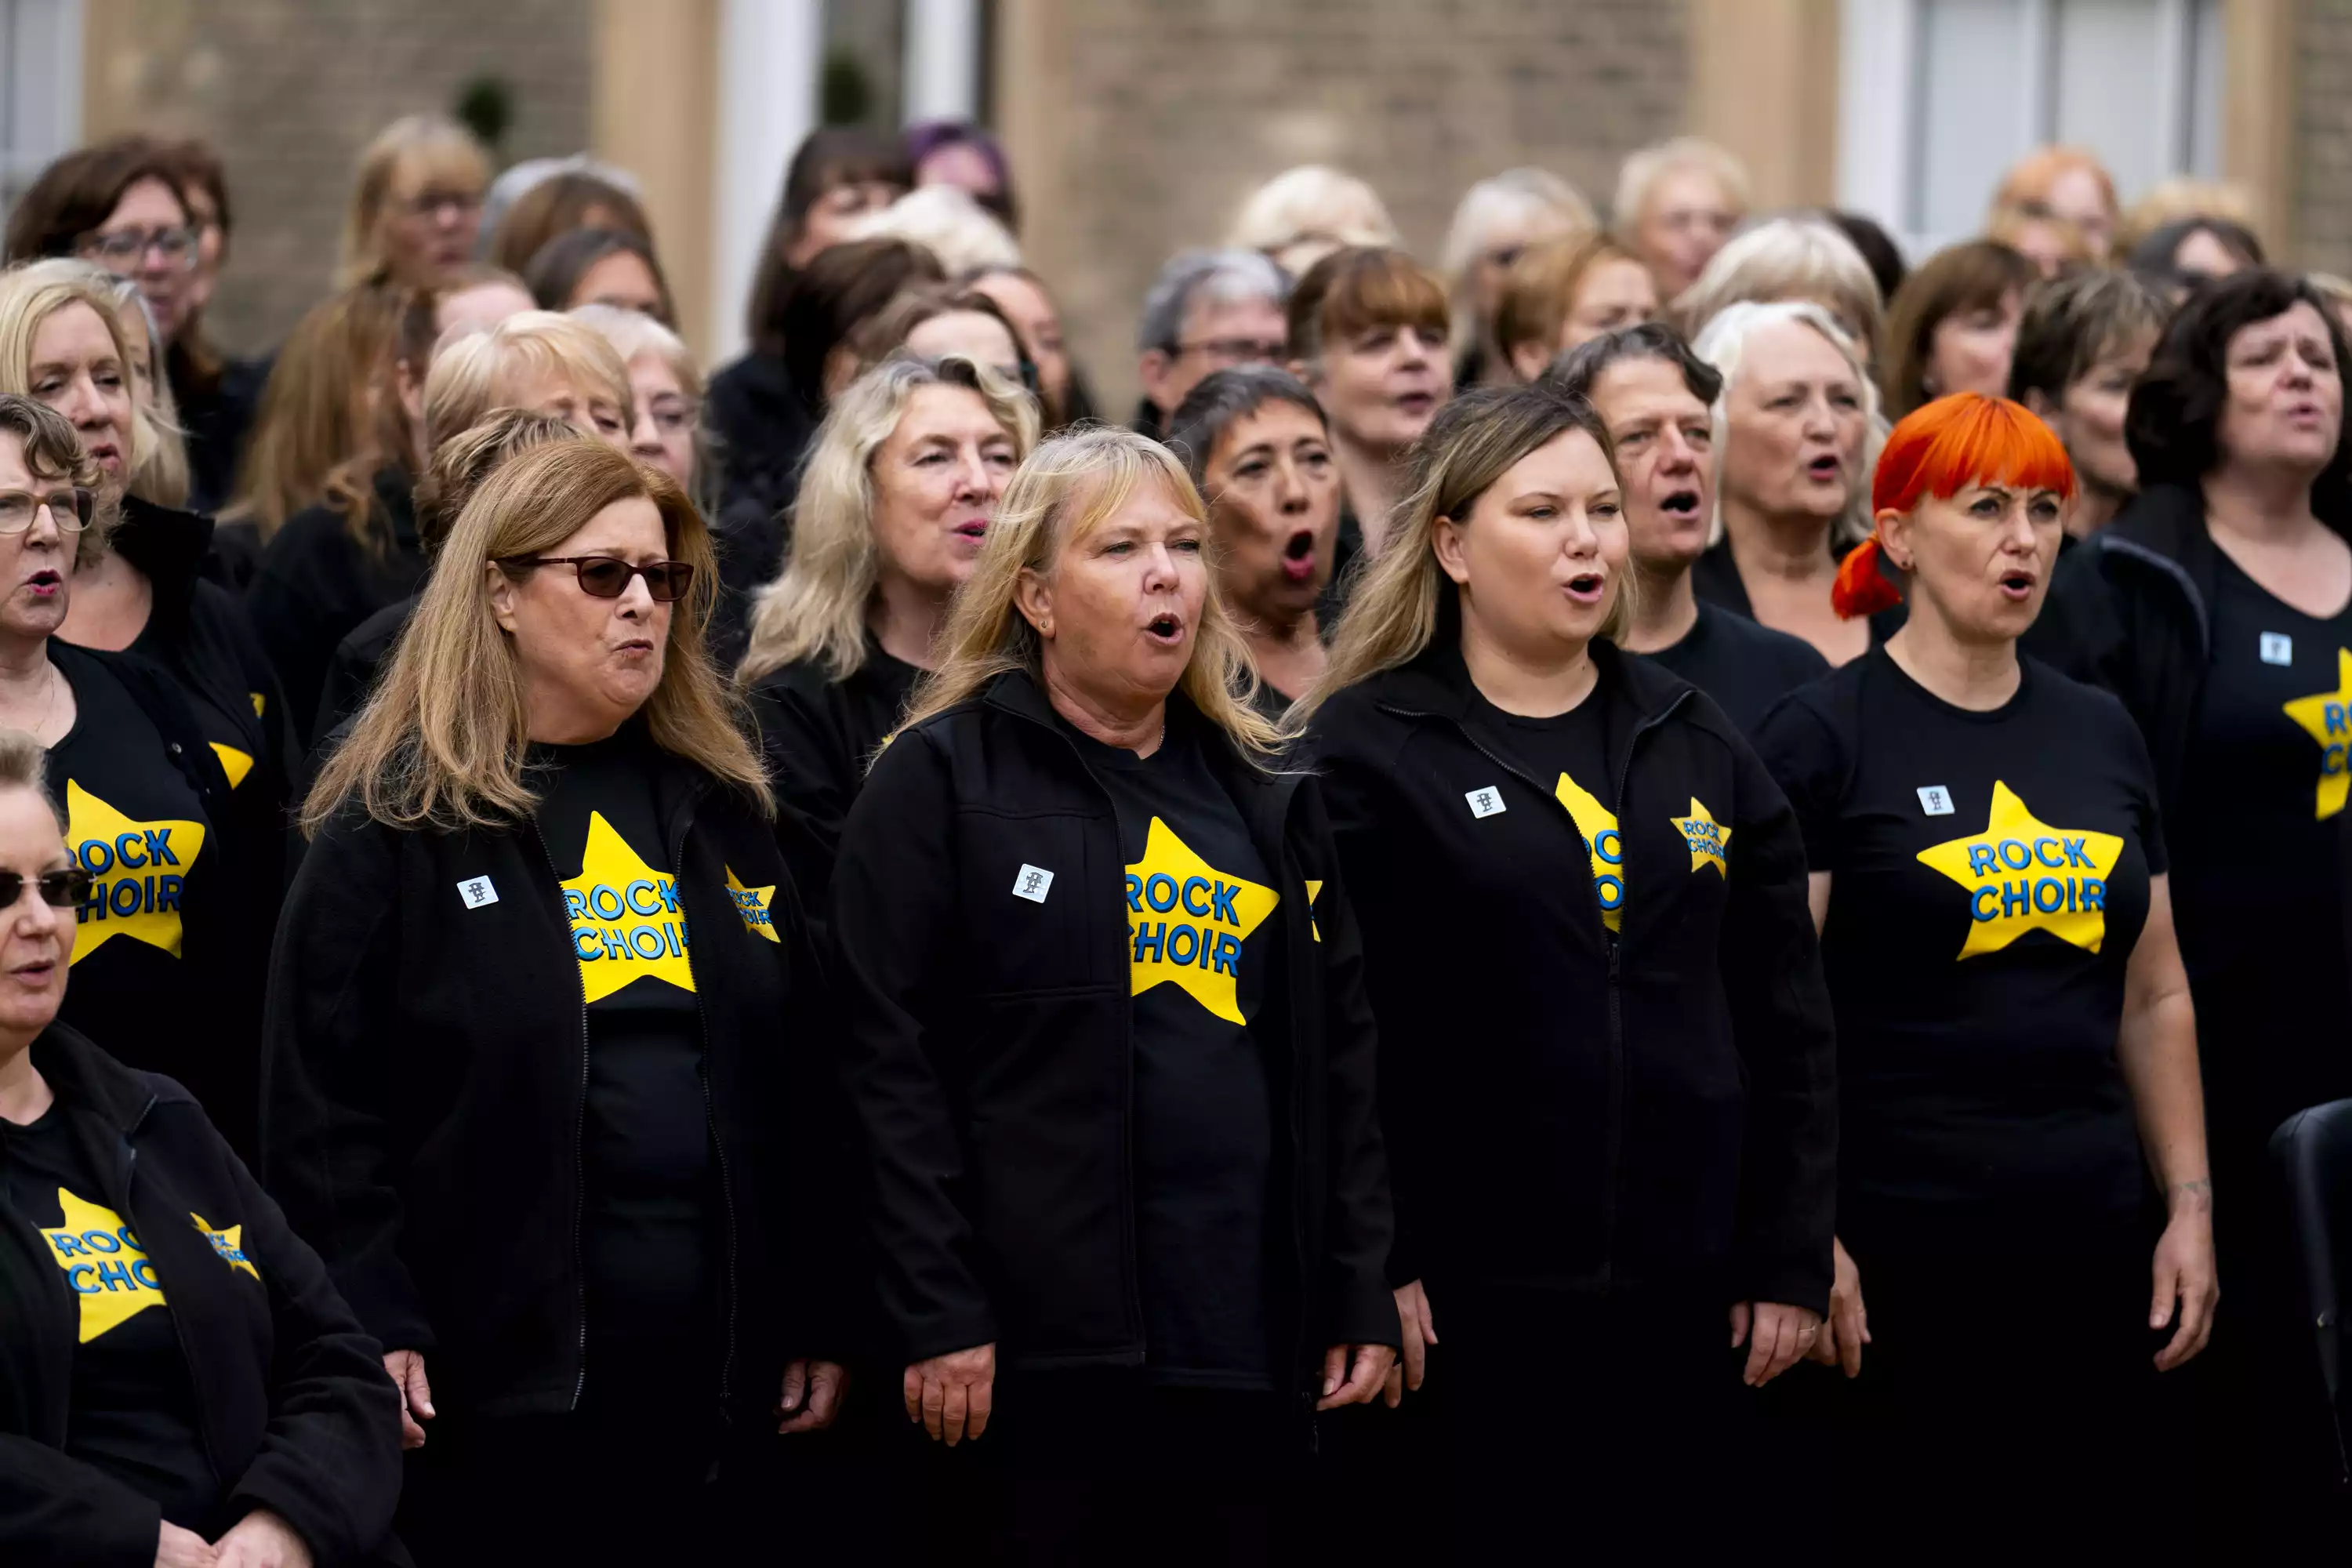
(501, 589)
(1446, 542)
(1896, 540)
(1034, 597)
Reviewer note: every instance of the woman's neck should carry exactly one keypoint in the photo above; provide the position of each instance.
(1367, 478)
(1968, 673)
(1794, 546)
(905, 618)
(1532, 687)
(24, 1096)
(111, 601)
(1135, 726)
(1665, 607)
(1287, 649)
(2266, 505)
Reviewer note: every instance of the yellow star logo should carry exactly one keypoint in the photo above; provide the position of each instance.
(103, 1263)
(2023, 875)
(2328, 717)
(137, 871)
(1190, 922)
(753, 904)
(626, 921)
(1598, 823)
(234, 762)
(1708, 839)
(1314, 891)
(261, 700)
(228, 1242)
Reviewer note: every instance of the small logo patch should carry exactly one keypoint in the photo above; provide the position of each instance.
(1488, 802)
(2277, 649)
(1935, 800)
(1033, 884)
(477, 891)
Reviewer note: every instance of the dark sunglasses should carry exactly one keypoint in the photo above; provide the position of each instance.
(59, 889)
(607, 576)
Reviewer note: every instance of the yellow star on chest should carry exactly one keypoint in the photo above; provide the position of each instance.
(1187, 921)
(104, 1265)
(755, 905)
(228, 1242)
(2023, 875)
(1598, 824)
(234, 762)
(137, 872)
(626, 924)
(2326, 716)
(1708, 839)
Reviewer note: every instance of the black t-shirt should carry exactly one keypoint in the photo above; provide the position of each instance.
(1990, 879)
(1570, 751)
(650, 1200)
(2260, 891)
(140, 830)
(1716, 579)
(132, 1411)
(1198, 900)
(1744, 667)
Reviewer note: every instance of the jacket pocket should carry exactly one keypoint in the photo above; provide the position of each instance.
(1034, 907)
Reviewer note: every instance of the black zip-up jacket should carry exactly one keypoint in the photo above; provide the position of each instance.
(992, 1054)
(818, 735)
(426, 1076)
(1565, 1112)
(316, 581)
(297, 1415)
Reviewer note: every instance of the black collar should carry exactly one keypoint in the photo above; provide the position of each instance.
(167, 545)
(86, 1078)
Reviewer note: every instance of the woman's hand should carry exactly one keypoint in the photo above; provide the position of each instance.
(2184, 1272)
(1783, 1334)
(951, 1395)
(177, 1548)
(1842, 1338)
(1356, 1384)
(1420, 1332)
(821, 1384)
(407, 1369)
(262, 1540)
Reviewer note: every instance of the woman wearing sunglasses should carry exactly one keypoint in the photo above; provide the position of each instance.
(540, 1138)
(171, 959)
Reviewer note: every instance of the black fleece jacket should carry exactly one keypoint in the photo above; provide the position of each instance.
(316, 581)
(991, 1051)
(423, 1081)
(818, 734)
(297, 1415)
(1566, 1111)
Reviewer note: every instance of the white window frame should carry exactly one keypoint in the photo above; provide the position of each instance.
(26, 150)
(1879, 103)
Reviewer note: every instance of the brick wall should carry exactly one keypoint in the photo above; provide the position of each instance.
(1140, 125)
(290, 90)
(2321, 136)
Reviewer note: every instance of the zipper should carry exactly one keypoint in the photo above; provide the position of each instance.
(717, 1144)
(579, 1136)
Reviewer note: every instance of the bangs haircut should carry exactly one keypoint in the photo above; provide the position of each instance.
(487, 370)
(1540, 290)
(1968, 439)
(2072, 324)
(1976, 274)
(1351, 291)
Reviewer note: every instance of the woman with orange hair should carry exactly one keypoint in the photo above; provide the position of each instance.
(2014, 1029)
(2064, 189)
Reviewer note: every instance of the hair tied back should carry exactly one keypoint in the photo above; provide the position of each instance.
(1863, 587)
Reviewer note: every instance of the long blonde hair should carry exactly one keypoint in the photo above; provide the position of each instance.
(1473, 441)
(442, 742)
(1069, 486)
(29, 295)
(314, 409)
(817, 607)
(430, 144)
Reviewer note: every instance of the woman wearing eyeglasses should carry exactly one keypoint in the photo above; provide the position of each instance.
(121, 207)
(555, 1155)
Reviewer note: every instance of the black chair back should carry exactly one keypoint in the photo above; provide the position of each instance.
(2312, 1151)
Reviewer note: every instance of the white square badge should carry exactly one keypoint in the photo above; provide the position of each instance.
(477, 891)
(1935, 800)
(1033, 884)
(2277, 649)
(1488, 802)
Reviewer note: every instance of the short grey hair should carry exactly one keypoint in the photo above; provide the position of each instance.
(1223, 276)
(1219, 399)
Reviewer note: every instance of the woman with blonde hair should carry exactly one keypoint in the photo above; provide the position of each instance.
(1498, 220)
(1303, 215)
(1677, 203)
(416, 203)
(315, 411)
(894, 508)
(550, 790)
(1638, 1150)
(1789, 258)
(1126, 1185)
(1564, 294)
(1796, 435)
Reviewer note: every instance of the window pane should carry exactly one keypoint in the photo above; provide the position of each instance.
(2108, 71)
(1973, 115)
(2205, 88)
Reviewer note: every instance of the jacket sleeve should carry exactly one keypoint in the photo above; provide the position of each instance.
(2080, 629)
(1784, 1028)
(58, 1509)
(893, 920)
(812, 795)
(329, 1462)
(1360, 1229)
(329, 1054)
